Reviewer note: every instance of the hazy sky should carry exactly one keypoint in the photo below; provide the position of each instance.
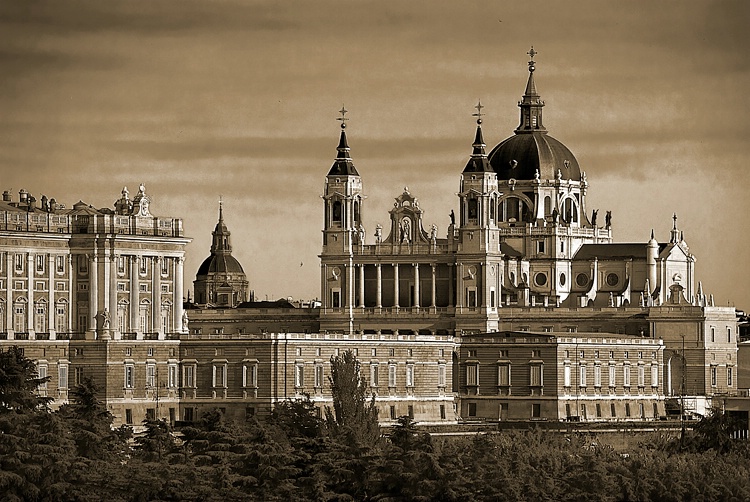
(198, 99)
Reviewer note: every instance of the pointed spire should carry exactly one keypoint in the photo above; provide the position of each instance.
(221, 243)
(674, 237)
(531, 105)
(478, 162)
(343, 165)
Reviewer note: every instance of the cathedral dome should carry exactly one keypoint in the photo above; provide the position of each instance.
(220, 264)
(520, 156)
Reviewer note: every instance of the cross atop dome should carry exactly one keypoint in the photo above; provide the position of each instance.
(343, 118)
(479, 113)
(532, 53)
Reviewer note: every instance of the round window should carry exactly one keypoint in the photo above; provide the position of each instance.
(562, 279)
(612, 279)
(540, 279)
(582, 280)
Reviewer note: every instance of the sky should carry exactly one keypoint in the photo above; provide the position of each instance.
(238, 100)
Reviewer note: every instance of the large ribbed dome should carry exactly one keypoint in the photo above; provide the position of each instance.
(520, 156)
(220, 264)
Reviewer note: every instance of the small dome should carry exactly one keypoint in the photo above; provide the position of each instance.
(520, 156)
(222, 263)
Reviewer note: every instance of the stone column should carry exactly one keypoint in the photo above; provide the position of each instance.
(113, 310)
(416, 285)
(93, 290)
(30, 308)
(51, 296)
(362, 285)
(379, 299)
(134, 303)
(432, 284)
(395, 285)
(72, 304)
(177, 294)
(156, 295)
(9, 300)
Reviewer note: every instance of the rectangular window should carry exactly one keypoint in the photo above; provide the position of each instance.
(536, 410)
(729, 335)
(410, 411)
(164, 266)
(62, 376)
(442, 412)
(566, 375)
(250, 375)
(713, 376)
(598, 410)
(471, 298)
(40, 263)
(83, 264)
(626, 375)
(391, 375)
(503, 375)
(19, 262)
(612, 372)
(492, 298)
(60, 264)
(129, 376)
(319, 376)
(410, 375)
(42, 374)
(537, 375)
(150, 375)
(143, 265)
(536, 354)
(220, 375)
(611, 354)
(596, 354)
(472, 375)
(472, 409)
(627, 409)
(612, 410)
(172, 376)
(299, 376)
(392, 410)
(121, 265)
(441, 375)
(373, 352)
(582, 376)
(641, 376)
(373, 375)
(336, 298)
(78, 376)
(188, 376)
(654, 375)
(128, 416)
(597, 375)
(540, 246)
(472, 353)
(189, 414)
(729, 376)
(713, 334)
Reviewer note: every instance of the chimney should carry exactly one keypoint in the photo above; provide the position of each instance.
(6, 196)
(23, 196)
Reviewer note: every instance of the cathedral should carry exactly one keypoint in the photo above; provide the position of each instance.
(524, 308)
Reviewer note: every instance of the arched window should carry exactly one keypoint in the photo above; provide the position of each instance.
(356, 212)
(512, 209)
(492, 210)
(501, 210)
(337, 213)
(473, 210)
(570, 211)
(547, 205)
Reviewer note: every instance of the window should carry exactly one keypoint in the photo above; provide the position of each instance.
(729, 335)
(612, 410)
(150, 352)
(729, 376)
(611, 354)
(441, 375)
(391, 375)
(172, 376)
(42, 374)
(189, 414)
(442, 412)
(164, 266)
(129, 376)
(504, 353)
(627, 409)
(626, 375)
(83, 264)
(78, 376)
(566, 375)
(336, 298)
(598, 410)
(641, 376)
(299, 376)
(392, 410)
(62, 376)
(536, 375)
(597, 375)
(582, 354)
(472, 375)
(540, 248)
(220, 375)
(640, 354)
(612, 382)
(596, 354)
(373, 375)
(318, 375)
(654, 375)
(471, 298)
(536, 410)
(713, 376)
(626, 354)
(250, 375)
(713, 334)
(410, 375)
(128, 416)
(19, 262)
(60, 264)
(410, 411)
(582, 376)
(409, 352)
(121, 265)
(391, 352)
(472, 409)
(150, 375)
(373, 352)
(492, 298)
(503, 375)
(188, 376)
(472, 353)
(143, 267)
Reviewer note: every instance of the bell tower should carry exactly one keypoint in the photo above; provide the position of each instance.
(342, 231)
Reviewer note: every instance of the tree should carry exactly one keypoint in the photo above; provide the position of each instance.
(354, 415)
(19, 382)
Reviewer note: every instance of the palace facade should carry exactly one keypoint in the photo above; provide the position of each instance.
(524, 307)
